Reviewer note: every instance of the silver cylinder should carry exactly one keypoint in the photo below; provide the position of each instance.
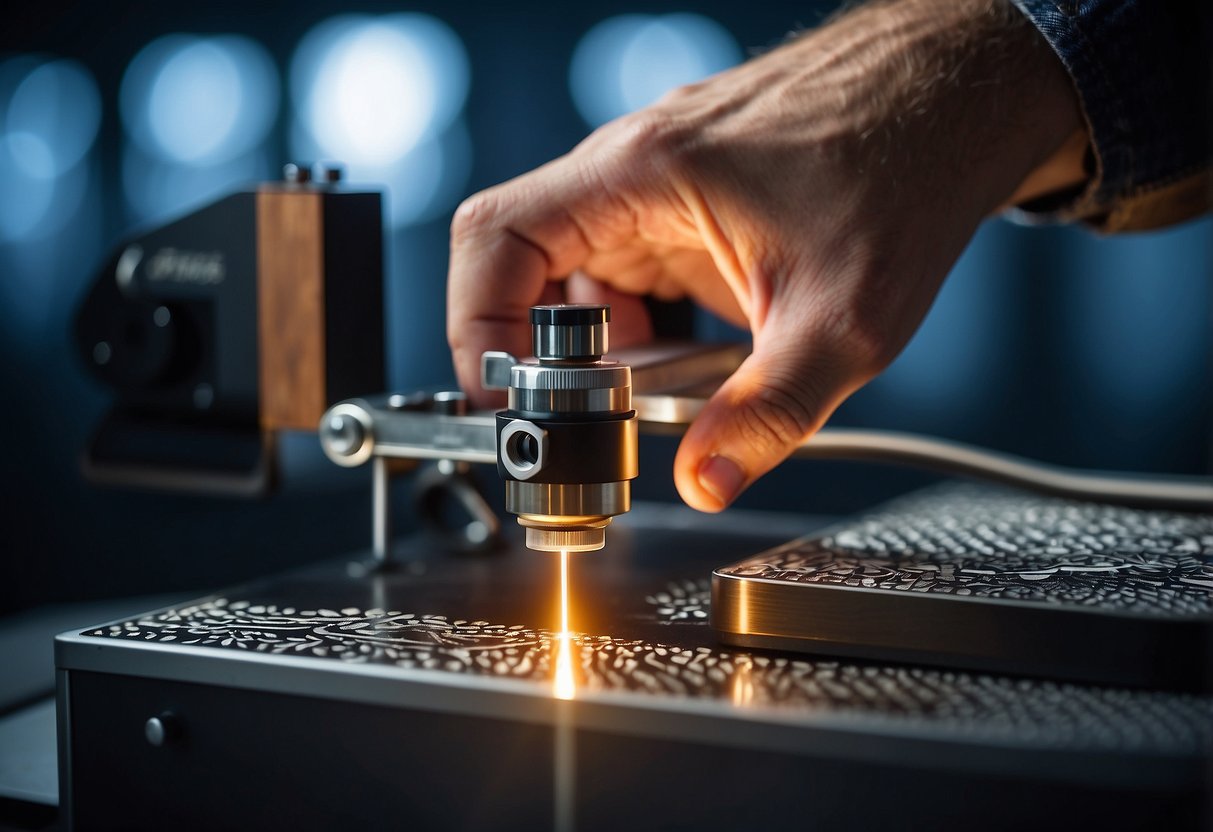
(590, 499)
(590, 375)
(563, 343)
(600, 387)
(559, 539)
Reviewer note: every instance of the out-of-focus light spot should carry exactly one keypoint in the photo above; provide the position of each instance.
(49, 115)
(370, 89)
(52, 118)
(199, 101)
(419, 186)
(156, 188)
(627, 62)
(25, 200)
(383, 95)
(32, 154)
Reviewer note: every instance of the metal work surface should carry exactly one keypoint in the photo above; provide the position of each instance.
(991, 579)
(478, 637)
(989, 543)
(981, 707)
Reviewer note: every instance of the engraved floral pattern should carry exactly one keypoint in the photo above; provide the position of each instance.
(971, 705)
(959, 541)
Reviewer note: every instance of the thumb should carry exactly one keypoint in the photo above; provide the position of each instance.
(775, 400)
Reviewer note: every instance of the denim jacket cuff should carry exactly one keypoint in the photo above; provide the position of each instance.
(1140, 69)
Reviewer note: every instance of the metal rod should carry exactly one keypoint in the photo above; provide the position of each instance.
(381, 521)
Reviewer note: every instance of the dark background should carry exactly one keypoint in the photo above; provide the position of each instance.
(1052, 343)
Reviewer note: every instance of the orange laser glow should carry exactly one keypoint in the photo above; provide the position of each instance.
(564, 686)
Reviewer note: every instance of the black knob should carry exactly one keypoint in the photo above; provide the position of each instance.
(570, 314)
(570, 331)
(331, 172)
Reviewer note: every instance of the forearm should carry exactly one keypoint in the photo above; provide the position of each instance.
(1001, 112)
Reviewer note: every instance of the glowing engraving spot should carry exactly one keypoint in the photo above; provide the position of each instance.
(971, 705)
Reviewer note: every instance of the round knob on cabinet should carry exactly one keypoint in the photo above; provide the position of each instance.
(162, 730)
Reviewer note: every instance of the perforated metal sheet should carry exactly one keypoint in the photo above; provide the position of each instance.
(986, 543)
(474, 637)
(975, 706)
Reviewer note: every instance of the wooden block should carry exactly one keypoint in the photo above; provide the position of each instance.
(291, 309)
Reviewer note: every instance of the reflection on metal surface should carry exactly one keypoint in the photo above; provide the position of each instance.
(975, 706)
(743, 608)
(743, 684)
(681, 602)
(564, 774)
(564, 686)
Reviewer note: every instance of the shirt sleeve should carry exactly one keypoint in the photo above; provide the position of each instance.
(1143, 70)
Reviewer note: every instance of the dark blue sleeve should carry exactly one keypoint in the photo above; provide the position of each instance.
(1143, 71)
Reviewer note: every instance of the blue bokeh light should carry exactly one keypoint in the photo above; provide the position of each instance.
(50, 112)
(419, 186)
(52, 118)
(627, 62)
(383, 96)
(37, 208)
(370, 89)
(199, 100)
(26, 199)
(158, 189)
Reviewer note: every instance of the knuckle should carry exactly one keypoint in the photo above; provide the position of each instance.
(651, 137)
(473, 215)
(681, 93)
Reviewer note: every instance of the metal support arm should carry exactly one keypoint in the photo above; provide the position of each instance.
(672, 382)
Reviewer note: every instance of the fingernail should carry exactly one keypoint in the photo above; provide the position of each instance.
(721, 477)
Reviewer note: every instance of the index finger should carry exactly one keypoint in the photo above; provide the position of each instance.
(506, 244)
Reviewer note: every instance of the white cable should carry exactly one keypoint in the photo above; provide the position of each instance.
(1178, 493)
(665, 413)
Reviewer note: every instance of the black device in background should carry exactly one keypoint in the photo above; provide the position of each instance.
(214, 331)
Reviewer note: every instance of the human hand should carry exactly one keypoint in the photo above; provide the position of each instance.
(818, 195)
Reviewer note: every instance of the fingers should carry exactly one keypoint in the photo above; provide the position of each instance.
(667, 273)
(630, 321)
(778, 398)
(513, 273)
(696, 272)
(506, 244)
